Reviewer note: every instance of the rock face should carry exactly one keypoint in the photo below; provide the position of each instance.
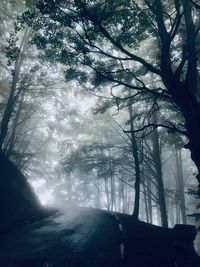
(83, 237)
(18, 204)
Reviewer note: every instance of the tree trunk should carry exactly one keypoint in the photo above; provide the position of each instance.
(184, 90)
(14, 91)
(180, 186)
(112, 194)
(137, 165)
(193, 131)
(97, 201)
(123, 198)
(10, 141)
(107, 194)
(146, 204)
(149, 198)
(171, 214)
(159, 176)
(177, 212)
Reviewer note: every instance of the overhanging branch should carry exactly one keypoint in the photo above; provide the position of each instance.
(154, 126)
(109, 37)
(195, 4)
(157, 92)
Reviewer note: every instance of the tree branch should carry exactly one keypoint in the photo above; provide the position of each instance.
(108, 36)
(195, 4)
(154, 126)
(157, 92)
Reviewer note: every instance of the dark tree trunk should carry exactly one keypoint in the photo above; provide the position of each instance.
(146, 204)
(180, 186)
(149, 195)
(14, 91)
(113, 194)
(123, 198)
(190, 109)
(137, 166)
(10, 142)
(97, 194)
(178, 217)
(193, 133)
(159, 176)
(184, 90)
(107, 194)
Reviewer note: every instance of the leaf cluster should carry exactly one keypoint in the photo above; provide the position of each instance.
(11, 49)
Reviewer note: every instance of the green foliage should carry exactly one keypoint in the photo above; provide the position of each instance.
(12, 50)
(122, 43)
(97, 157)
(72, 74)
(64, 23)
(98, 42)
(27, 16)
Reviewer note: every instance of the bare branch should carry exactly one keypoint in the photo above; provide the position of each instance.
(195, 4)
(177, 22)
(154, 126)
(157, 92)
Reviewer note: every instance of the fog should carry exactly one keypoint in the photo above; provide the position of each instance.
(100, 114)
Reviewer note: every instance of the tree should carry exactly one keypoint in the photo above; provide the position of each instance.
(102, 159)
(196, 4)
(180, 185)
(135, 152)
(19, 77)
(96, 35)
(158, 167)
(14, 54)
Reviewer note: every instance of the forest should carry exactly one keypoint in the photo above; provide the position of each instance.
(100, 120)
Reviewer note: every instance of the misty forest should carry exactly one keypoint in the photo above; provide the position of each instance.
(99, 133)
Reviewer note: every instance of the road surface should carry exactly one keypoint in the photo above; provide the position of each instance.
(82, 237)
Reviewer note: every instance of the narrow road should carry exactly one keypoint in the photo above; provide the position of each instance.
(78, 238)
(83, 237)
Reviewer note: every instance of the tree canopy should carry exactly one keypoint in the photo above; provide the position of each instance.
(142, 59)
(150, 47)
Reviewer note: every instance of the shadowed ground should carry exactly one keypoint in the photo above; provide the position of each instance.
(94, 238)
(31, 236)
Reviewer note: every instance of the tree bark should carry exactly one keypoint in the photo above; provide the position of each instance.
(180, 186)
(137, 165)
(159, 176)
(149, 198)
(107, 194)
(146, 204)
(13, 91)
(184, 90)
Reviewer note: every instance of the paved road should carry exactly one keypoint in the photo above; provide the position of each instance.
(84, 237)
(80, 237)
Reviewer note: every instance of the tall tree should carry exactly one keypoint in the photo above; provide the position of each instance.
(159, 176)
(98, 36)
(135, 152)
(180, 186)
(17, 55)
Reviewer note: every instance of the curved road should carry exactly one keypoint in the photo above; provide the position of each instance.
(80, 237)
(83, 237)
